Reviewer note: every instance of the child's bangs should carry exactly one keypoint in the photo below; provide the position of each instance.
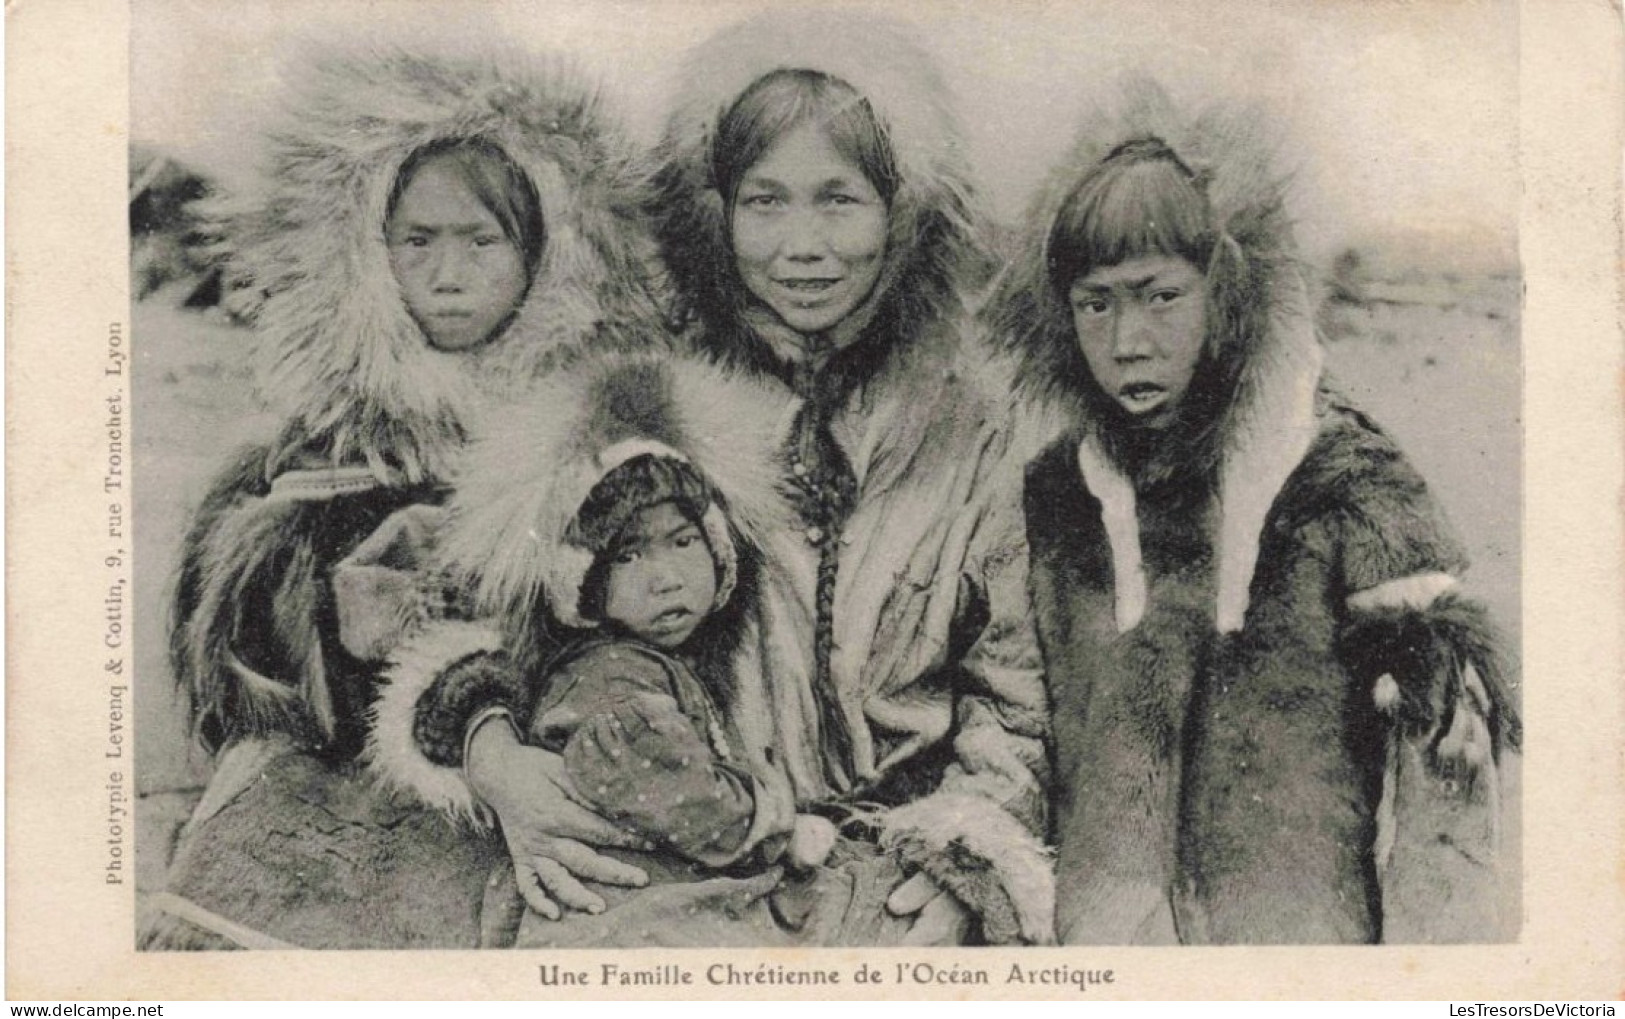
(639, 484)
(495, 180)
(1129, 208)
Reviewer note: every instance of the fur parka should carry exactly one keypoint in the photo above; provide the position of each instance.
(934, 672)
(1277, 717)
(374, 417)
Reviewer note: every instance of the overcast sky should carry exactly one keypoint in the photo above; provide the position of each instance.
(1406, 112)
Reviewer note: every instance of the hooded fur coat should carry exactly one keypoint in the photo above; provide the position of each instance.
(1277, 717)
(375, 416)
(933, 663)
(375, 419)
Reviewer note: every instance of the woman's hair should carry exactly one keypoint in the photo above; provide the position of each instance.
(495, 180)
(782, 101)
(1140, 200)
(613, 505)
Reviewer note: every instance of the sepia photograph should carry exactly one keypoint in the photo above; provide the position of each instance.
(656, 485)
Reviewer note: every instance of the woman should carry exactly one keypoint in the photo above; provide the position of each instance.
(431, 234)
(1277, 719)
(816, 218)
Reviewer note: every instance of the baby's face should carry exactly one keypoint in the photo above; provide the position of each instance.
(662, 578)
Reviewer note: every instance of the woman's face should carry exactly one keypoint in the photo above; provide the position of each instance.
(1141, 325)
(460, 274)
(809, 231)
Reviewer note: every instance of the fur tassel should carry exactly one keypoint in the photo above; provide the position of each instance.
(981, 854)
(247, 542)
(392, 751)
(1259, 318)
(1426, 651)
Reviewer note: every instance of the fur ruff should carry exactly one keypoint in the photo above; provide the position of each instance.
(985, 857)
(1259, 317)
(335, 337)
(525, 481)
(392, 753)
(934, 250)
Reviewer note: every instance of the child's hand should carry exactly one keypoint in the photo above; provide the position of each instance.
(549, 837)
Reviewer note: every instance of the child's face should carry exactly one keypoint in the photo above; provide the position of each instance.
(1141, 324)
(459, 272)
(662, 579)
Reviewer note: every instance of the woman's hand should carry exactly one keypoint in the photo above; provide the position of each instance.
(550, 837)
(939, 918)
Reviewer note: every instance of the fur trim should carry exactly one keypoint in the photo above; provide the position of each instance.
(392, 752)
(1417, 591)
(1272, 433)
(1116, 497)
(525, 482)
(336, 337)
(985, 857)
(934, 245)
(246, 542)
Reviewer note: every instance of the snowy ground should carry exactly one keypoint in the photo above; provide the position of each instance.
(1435, 360)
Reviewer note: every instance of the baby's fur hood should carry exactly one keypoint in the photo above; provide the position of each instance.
(528, 474)
(337, 344)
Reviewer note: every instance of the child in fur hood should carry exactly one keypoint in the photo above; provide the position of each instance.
(643, 737)
(1277, 718)
(432, 232)
(631, 497)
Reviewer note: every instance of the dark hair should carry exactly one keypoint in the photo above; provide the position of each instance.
(1140, 200)
(495, 179)
(613, 505)
(780, 102)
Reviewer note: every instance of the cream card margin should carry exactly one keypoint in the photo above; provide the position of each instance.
(70, 937)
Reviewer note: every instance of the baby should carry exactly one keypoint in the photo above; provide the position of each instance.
(644, 739)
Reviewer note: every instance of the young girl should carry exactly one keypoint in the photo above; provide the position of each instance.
(631, 498)
(430, 234)
(1277, 718)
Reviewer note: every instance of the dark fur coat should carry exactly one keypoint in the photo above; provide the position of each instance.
(1276, 716)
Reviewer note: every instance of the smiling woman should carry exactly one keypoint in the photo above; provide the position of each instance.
(808, 217)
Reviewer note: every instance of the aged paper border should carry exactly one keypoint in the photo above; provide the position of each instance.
(69, 937)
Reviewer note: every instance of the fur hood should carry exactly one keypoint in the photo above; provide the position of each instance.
(1260, 322)
(525, 481)
(337, 342)
(935, 247)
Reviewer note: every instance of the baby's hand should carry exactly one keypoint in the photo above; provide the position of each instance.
(811, 841)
